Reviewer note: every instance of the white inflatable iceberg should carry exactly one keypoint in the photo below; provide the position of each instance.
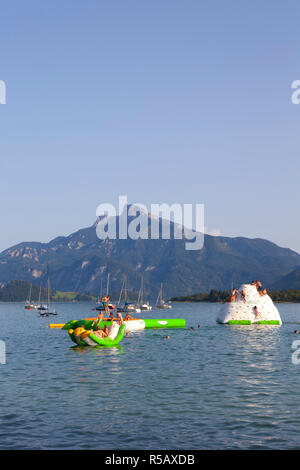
(249, 307)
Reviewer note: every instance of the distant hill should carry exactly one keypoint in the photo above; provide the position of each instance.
(290, 281)
(213, 296)
(79, 261)
(288, 295)
(18, 291)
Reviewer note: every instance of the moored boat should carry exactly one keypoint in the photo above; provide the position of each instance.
(28, 304)
(141, 304)
(126, 307)
(146, 306)
(160, 303)
(44, 309)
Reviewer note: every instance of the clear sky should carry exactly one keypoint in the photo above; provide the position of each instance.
(161, 100)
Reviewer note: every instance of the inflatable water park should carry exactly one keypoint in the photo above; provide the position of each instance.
(248, 305)
(84, 332)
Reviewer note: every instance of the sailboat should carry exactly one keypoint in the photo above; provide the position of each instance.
(160, 303)
(44, 309)
(141, 304)
(99, 306)
(39, 301)
(28, 304)
(100, 294)
(127, 307)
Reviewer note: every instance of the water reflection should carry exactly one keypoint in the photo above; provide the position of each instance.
(256, 358)
(115, 350)
(214, 387)
(97, 362)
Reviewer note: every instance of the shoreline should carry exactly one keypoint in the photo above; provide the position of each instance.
(220, 302)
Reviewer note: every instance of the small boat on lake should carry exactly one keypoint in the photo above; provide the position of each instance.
(145, 306)
(160, 303)
(141, 304)
(29, 305)
(44, 309)
(126, 307)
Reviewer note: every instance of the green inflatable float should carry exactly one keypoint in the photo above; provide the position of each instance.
(83, 333)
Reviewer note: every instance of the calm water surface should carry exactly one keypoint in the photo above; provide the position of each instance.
(216, 387)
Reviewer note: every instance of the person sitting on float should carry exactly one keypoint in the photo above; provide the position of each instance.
(101, 332)
(243, 295)
(259, 287)
(128, 317)
(231, 297)
(119, 318)
(234, 294)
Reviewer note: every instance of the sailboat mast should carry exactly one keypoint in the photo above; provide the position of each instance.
(107, 286)
(159, 297)
(100, 293)
(48, 286)
(142, 291)
(48, 291)
(40, 293)
(121, 292)
(125, 299)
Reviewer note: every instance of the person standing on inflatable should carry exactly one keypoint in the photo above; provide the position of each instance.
(105, 301)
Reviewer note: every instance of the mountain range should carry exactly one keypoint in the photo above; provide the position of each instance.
(81, 261)
(290, 281)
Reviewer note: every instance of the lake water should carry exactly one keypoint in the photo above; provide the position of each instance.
(217, 387)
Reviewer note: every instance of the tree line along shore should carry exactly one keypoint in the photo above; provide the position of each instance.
(20, 291)
(17, 291)
(289, 295)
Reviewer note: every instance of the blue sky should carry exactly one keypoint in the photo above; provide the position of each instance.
(164, 101)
